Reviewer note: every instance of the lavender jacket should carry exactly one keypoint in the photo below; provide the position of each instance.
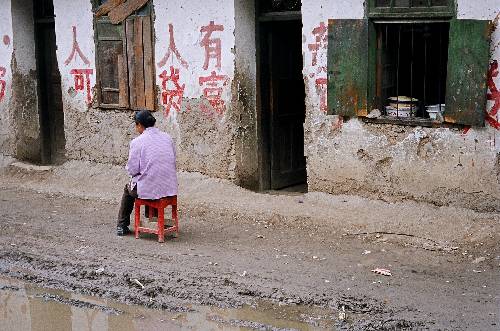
(151, 164)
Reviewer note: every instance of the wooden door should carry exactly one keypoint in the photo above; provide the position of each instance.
(49, 84)
(287, 104)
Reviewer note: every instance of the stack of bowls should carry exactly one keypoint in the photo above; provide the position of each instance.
(402, 106)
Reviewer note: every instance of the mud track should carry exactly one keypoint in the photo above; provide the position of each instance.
(229, 259)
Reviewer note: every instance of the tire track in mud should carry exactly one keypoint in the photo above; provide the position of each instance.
(174, 291)
(66, 251)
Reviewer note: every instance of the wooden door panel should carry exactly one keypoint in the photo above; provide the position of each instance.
(287, 106)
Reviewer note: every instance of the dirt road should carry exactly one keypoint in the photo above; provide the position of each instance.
(228, 256)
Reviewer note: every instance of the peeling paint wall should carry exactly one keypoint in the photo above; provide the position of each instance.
(203, 129)
(206, 78)
(244, 93)
(23, 104)
(441, 166)
(201, 124)
(6, 132)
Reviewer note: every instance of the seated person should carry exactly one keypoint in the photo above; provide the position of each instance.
(151, 164)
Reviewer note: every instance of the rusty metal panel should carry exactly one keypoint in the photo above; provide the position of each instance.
(468, 56)
(347, 67)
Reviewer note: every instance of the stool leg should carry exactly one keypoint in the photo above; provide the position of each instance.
(137, 220)
(175, 218)
(161, 224)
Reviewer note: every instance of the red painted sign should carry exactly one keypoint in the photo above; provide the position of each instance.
(81, 76)
(76, 50)
(172, 90)
(320, 42)
(2, 83)
(317, 48)
(213, 90)
(213, 84)
(82, 81)
(3, 70)
(172, 49)
(493, 95)
(213, 46)
(171, 98)
(6, 40)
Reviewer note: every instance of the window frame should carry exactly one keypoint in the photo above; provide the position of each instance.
(353, 95)
(104, 19)
(430, 12)
(404, 15)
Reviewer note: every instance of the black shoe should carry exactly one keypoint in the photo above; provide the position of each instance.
(122, 231)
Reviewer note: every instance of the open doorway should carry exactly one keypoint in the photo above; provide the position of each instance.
(49, 84)
(282, 95)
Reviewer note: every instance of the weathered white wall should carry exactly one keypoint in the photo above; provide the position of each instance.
(205, 137)
(79, 14)
(24, 100)
(88, 133)
(438, 165)
(488, 10)
(477, 10)
(6, 143)
(443, 166)
(187, 18)
(244, 107)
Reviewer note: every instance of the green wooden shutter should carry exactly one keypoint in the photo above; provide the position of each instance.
(111, 65)
(347, 67)
(468, 56)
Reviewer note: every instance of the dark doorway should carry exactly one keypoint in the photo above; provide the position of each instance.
(49, 84)
(282, 98)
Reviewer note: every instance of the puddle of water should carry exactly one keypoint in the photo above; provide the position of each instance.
(26, 307)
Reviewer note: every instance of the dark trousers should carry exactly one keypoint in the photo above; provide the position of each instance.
(126, 206)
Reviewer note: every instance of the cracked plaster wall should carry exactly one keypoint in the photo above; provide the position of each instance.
(441, 166)
(206, 140)
(23, 102)
(7, 142)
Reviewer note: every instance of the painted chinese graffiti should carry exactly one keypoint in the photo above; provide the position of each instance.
(172, 90)
(493, 95)
(171, 97)
(213, 84)
(172, 49)
(3, 84)
(3, 70)
(318, 53)
(81, 76)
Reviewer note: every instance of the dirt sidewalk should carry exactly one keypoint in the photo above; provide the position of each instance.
(238, 247)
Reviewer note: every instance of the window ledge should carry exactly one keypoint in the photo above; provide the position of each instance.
(407, 121)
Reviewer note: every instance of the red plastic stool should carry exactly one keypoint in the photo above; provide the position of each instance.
(159, 205)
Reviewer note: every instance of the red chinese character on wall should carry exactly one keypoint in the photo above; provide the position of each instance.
(172, 48)
(321, 89)
(317, 48)
(2, 83)
(82, 81)
(213, 90)
(80, 76)
(493, 95)
(76, 50)
(212, 46)
(171, 98)
(320, 42)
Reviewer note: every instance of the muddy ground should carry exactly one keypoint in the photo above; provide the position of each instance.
(238, 247)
